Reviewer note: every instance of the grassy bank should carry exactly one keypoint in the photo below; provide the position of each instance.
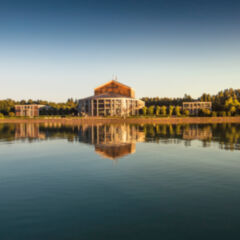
(137, 120)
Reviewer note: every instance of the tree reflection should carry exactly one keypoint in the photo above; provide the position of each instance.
(115, 141)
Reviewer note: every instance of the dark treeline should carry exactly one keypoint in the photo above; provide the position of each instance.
(63, 108)
(225, 102)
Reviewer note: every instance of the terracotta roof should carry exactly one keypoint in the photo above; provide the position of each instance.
(112, 81)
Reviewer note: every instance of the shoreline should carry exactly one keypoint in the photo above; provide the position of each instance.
(102, 120)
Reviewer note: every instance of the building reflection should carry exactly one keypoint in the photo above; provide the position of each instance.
(112, 141)
(194, 132)
(28, 131)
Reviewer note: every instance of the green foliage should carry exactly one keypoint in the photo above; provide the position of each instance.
(233, 110)
(158, 109)
(65, 108)
(156, 101)
(11, 114)
(164, 110)
(1, 115)
(171, 109)
(151, 110)
(186, 112)
(205, 112)
(178, 111)
(222, 101)
(144, 111)
(214, 114)
(222, 114)
(6, 106)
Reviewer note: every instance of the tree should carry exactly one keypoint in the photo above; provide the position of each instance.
(178, 111)
(205, 112)
(144, 110)
(222, 113)
(151, 110)
(187, 98)
(158, 109)
(164, 110)
(11, 114)
(171, 108)
(186, 112)
(238, 110)
(214, 114)
(233, 110)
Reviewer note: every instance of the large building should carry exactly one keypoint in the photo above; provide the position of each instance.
(195, 107)
(111, 99)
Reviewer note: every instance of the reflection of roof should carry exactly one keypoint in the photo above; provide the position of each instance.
(107, 95)
(114, 151)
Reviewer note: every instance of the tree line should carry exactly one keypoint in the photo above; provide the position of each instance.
(224, 103)
(7, 107)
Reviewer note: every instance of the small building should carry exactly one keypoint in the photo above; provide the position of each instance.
(195, 107)
(111, 99)
(28, 110)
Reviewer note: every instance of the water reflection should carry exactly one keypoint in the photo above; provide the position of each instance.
(112, 141)
(116, 141)
(30, 131)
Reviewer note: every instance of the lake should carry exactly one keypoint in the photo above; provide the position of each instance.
(119, 181)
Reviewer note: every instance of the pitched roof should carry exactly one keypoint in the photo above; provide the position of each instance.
(112, 81)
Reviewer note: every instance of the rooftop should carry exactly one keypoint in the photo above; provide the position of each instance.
(107, 95)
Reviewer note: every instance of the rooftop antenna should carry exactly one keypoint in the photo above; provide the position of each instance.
(114, 77)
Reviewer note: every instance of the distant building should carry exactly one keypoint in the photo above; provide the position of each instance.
(195, 107)
(28, 110)
(111, 99)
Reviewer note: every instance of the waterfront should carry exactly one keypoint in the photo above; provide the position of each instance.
(119, 181)
(119, 120)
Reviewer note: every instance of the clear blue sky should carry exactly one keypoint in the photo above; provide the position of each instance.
(54, 49)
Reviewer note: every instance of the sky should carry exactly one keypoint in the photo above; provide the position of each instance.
(55, 49)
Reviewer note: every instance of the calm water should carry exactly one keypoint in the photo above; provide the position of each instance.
(119, 182)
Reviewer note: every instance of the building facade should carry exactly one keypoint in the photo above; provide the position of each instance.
(31, 110)
(111, 99)
(195, 107)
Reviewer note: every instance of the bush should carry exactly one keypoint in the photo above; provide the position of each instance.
(222, 114)
(1, 115)
(11, 114)
(214, 114)
(186, 112)
(205, 112)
